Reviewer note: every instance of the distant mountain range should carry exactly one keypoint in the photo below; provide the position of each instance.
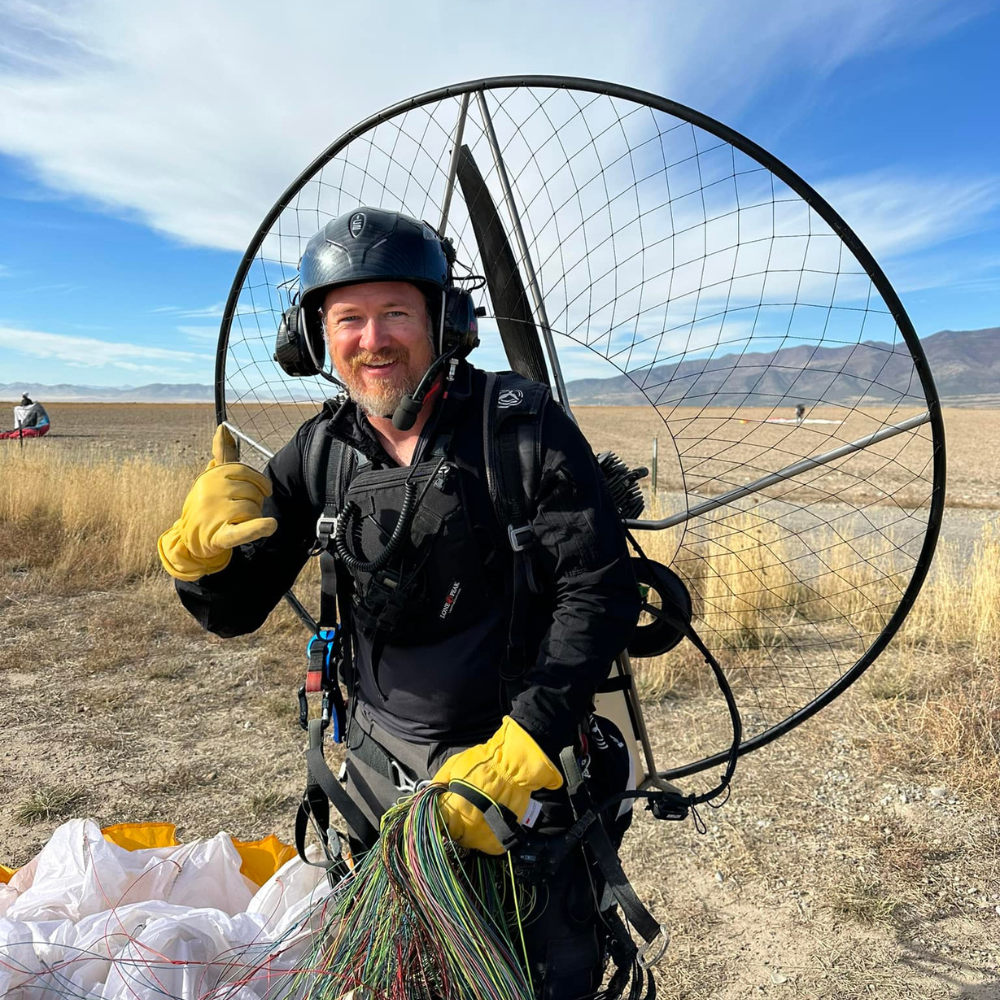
(157, 392)
(965, 365)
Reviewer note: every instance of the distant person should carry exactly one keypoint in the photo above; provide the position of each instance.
(800, 413)
(30, 421)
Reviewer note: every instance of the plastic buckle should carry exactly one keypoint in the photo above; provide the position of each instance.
(641, 956)
(321, 654)
(325, 527)
(403, 782)
(520, 538)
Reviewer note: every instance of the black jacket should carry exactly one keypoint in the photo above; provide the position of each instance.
(448, 692)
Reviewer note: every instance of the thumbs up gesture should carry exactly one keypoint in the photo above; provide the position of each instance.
(222, 510)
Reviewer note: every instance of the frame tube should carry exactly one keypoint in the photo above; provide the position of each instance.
(453, 166)
(562, 397)
(236, 432)
(782, 475)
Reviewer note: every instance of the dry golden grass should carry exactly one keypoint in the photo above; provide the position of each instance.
(973, 445)
(935, 705)
(85, 520)
(49, 801)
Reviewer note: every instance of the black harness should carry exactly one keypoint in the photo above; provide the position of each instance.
(383, 600)
(390, 601)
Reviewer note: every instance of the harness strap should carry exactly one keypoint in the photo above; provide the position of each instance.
(512, 408)
(314, 805)
(365, 791)
(618, 890)
(369, 751)
(625, 955)
(501, 820)
(341, 462)
(320, 777)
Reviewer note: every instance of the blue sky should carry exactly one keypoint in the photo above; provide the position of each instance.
(140, 145)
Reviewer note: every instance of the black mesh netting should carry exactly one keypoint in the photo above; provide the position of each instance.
(683, 279)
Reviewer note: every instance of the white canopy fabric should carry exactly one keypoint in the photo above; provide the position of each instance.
(87, 918)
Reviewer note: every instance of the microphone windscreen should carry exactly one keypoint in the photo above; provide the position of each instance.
(405, 415)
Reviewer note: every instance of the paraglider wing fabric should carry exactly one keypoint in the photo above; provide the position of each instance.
(510, 302)
(26, 432)
(126, 913)
(260, 859)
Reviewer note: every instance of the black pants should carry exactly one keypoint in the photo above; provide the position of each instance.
(563, 932)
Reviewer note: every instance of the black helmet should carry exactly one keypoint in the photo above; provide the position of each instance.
(371, 244)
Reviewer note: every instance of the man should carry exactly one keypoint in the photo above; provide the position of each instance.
(436, 691)
(30, 420)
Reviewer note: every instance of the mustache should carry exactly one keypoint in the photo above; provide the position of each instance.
(379, 357)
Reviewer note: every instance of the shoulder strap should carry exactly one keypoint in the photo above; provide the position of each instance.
(512, 428)
(322, 456)
(328, 466)
(512, 449)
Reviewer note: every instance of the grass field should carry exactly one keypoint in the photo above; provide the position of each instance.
(180, 434)
(859, 856)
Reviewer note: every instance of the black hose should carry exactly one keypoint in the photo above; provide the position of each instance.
(677, 619)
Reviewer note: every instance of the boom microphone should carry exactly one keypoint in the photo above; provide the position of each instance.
(405, 415)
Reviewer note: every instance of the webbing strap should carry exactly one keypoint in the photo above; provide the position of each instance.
(501, 821)
(618, 889)
(325, 779)
(363, 789)
(314, 805)
(626, 958)
(512, 448)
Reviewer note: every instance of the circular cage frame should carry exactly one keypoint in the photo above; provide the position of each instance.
(815, 202)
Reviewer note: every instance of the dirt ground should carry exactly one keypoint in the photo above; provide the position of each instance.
(825, 876)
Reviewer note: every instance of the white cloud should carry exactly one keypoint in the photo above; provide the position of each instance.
(90, 352)
(196, 116)
(213, 311)
(201, 334)
(896, 214)
(728, 52)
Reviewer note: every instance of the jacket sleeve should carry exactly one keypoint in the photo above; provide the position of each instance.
(238, 599)
(588, 585)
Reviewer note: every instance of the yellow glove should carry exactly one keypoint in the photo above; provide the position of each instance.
(507, 768)
(222, 510)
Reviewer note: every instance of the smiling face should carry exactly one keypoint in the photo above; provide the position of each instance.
(380, 341)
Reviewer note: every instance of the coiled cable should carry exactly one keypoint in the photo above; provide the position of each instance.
(346, 520)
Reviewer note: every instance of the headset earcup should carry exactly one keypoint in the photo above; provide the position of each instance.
(461, 326)
(291, 350)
